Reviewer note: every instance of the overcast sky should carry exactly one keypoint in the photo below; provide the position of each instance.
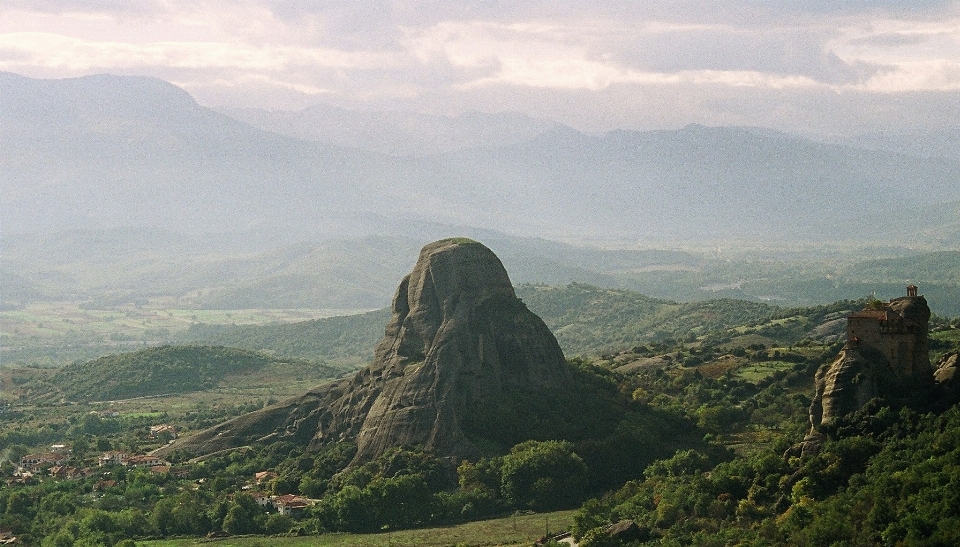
(811, 66)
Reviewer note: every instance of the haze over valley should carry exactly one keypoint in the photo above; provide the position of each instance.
(121, 190)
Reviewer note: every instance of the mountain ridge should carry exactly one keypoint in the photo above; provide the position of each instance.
(142, 162)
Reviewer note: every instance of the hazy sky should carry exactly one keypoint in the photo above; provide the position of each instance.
(831, 67)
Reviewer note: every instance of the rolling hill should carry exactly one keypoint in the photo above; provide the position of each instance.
(164, 370)
(586, 320)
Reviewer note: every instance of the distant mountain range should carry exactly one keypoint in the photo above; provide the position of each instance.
(395, 133)
(106, 151)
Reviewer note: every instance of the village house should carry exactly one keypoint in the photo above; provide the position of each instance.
(141, 460)
(37, 462)
(138, 460)
(262, 498)
(290, 504)
(157, 431)
(64, 472)
(113, 458)
(7, 537)
(102, 485)
(263, 476)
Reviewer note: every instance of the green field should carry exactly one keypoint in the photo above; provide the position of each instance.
(520, 529)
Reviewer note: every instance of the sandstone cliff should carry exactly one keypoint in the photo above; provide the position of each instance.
(463, 366)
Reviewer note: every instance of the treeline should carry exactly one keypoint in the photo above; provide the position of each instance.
(587, 320)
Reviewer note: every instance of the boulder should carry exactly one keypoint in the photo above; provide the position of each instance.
(627, 531)
(946, 378)
(946, 373)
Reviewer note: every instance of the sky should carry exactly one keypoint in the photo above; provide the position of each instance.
(830, 68)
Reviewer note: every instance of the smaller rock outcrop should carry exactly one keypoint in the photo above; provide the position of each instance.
(886, 356)
(946, 374)
(627, 531)
(946, 377)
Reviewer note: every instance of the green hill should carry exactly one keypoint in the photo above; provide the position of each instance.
(587, 320)
(162, 370)
(348, 339)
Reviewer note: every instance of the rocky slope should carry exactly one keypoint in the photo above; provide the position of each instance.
(463, 365)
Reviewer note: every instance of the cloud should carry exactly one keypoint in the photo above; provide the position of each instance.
(57, 51)
(903, 7)
(677, 54)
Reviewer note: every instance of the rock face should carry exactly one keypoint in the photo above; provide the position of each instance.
(946, 375)
(886, 355)
(458, 359)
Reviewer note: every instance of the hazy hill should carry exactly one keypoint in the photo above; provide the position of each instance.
(586, 320)
(106, 151)
(255, 270)
(395, 133)
(944, 143)
(113, 151)
(709, 183)
(348, 339)
(241, 271)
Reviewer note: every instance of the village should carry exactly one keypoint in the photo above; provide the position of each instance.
(54, 464)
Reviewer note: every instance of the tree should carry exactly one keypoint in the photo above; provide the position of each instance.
(350, 507)
(243, 517)
(404, 500)
(278, 524)
(311, 487)
(543, 475)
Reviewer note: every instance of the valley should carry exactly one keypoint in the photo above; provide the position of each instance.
(723, 385)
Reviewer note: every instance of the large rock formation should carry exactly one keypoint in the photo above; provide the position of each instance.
(463, 363)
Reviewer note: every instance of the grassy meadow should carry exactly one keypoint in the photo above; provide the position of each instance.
(519, 529)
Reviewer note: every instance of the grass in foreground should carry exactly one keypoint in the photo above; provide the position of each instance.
(508, 531)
